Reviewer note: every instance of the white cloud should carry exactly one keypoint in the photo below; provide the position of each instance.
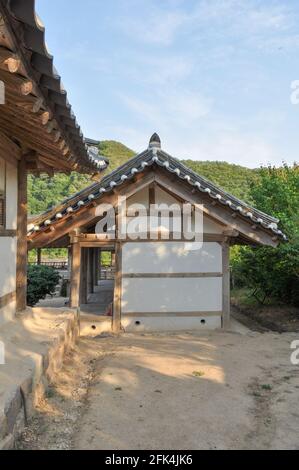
(246, 150)
(159, 70)
(158, 25)
(154, 27)
(166, 108)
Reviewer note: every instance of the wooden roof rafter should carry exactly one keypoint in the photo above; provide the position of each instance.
(33, 86)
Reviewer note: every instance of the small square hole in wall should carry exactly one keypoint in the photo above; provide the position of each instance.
(203, 322)
(137, 323)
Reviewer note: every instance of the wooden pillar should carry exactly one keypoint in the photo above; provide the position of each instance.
(75, 275)
(100, 265)
(21, 271)
(116, 325)
(91, 270)
(96, 266)
(226, 284)
(39, 256)
(69, 259)
(83, 284)
(113, 261)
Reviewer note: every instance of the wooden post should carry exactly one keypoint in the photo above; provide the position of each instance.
(96, 266)
(39, 256)
(116, 324)
(21, 271)
(69, 260)
(91, 270)
(83, 284)
(100, 265)
(75, 276)
(226, 284)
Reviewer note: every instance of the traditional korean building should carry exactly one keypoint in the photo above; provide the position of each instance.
(163, 280)
(38, 133)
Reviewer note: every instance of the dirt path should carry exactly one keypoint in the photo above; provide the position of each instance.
(209, 391)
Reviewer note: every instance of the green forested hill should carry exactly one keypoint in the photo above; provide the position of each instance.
(45, 192)
(235, 179)
(116, 152)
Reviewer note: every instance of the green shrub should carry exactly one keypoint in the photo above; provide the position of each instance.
(273, 273)
(42, 281)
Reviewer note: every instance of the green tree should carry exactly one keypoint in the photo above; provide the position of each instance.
(273, 273)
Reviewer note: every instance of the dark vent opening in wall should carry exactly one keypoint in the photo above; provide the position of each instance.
(203, 322)
(137, 323)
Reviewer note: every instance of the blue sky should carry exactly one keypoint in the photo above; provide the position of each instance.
(212, 77)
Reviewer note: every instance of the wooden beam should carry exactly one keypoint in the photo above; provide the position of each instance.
(83, 284)
(91, 282)
(96, 266)
(171, 275)
(9, 61)
(4, 233)
(9, 151)
(91, 241)
(152, 194)
(226, 285)
(116, 322)
(75, 276)
(21, 272)
(172, 314)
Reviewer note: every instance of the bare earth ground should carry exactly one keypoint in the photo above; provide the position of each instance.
(209, 390)
(279, 318)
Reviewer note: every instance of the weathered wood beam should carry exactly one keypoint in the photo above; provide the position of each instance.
(116, 322)
(91, 282)
(96, 260)
(9, 61)
(9, 151)
(152, 194)
(84, 273)
(75, 275)
(21, 271)
(226, 285)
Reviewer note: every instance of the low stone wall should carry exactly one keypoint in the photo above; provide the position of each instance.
(35, 347)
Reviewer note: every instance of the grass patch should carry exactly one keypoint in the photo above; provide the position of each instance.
(198, 373)
(267, 387)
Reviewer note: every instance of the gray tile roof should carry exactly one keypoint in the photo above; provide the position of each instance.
(149, 158)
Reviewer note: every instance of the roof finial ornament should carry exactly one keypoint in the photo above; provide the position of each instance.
(155, 142)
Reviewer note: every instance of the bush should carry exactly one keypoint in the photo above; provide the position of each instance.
(42, 281)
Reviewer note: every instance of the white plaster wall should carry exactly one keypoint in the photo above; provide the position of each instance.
(170, 323)
(171, 295)
(8, 249)
(170, 257)
(11, 197)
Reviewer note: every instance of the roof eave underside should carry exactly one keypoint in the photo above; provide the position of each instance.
(25, 39)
